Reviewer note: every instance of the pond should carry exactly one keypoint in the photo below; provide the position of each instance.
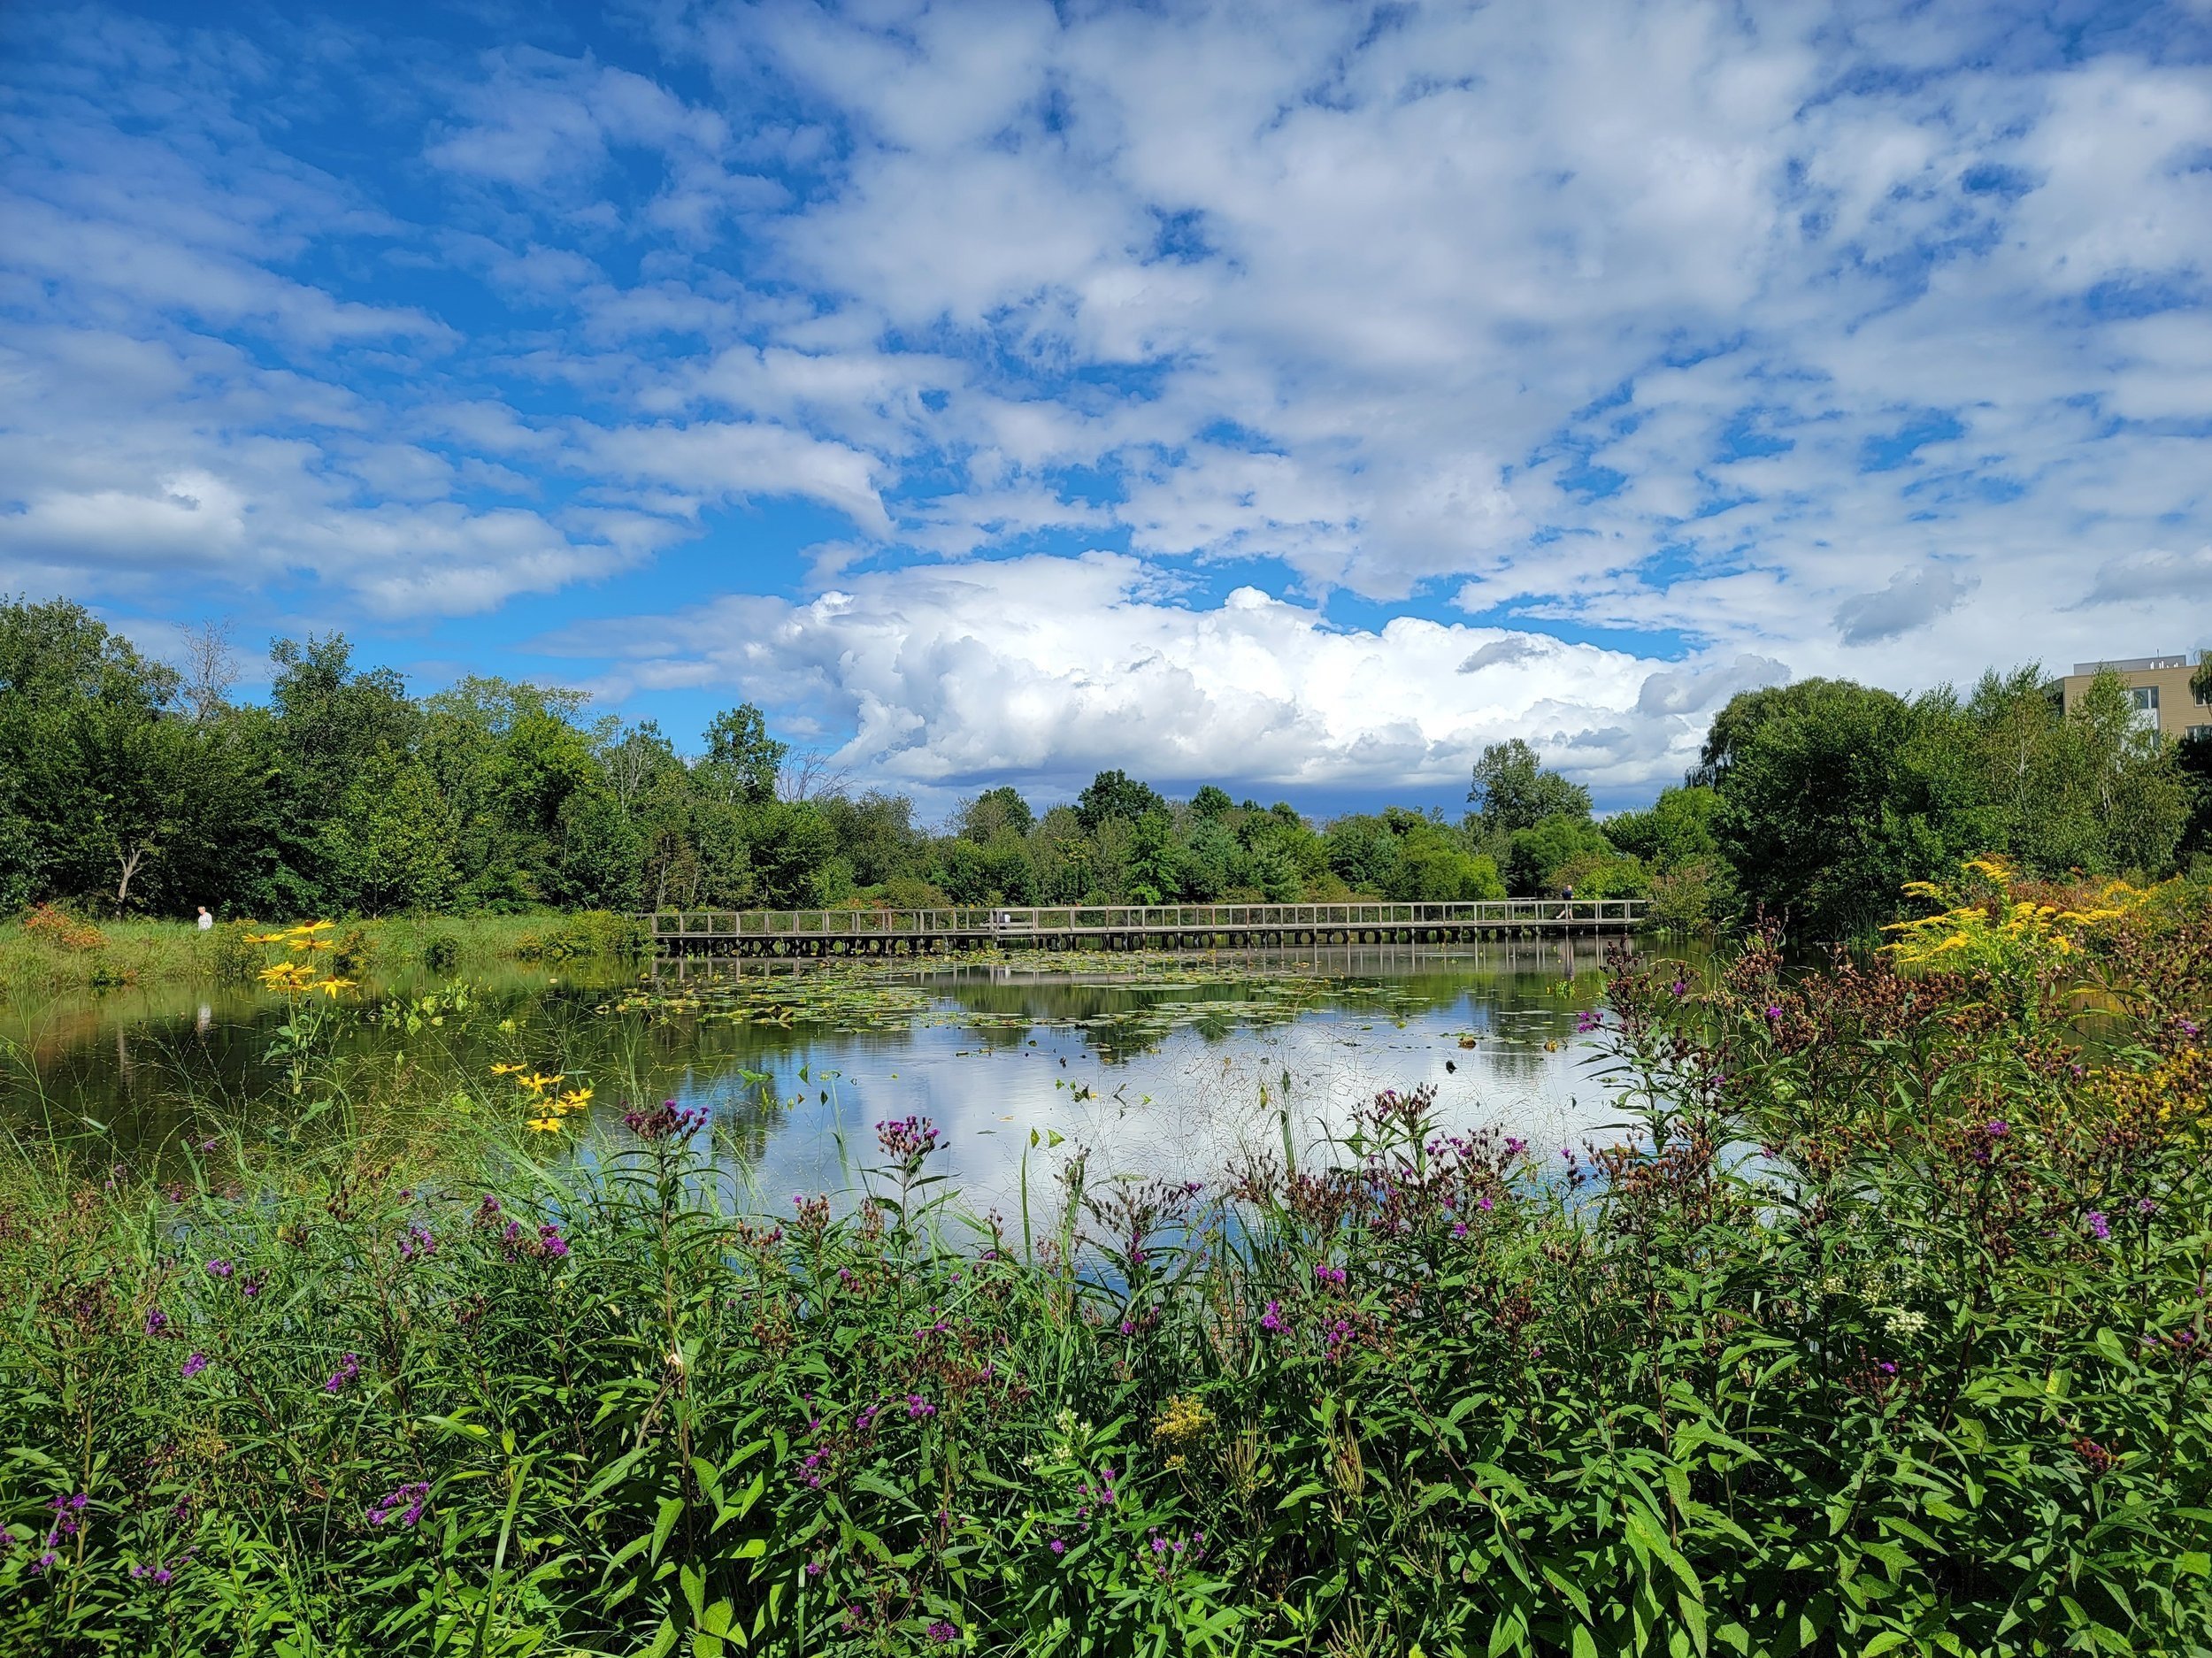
(1169, 1065)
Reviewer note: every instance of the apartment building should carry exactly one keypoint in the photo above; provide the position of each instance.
(2160, 686)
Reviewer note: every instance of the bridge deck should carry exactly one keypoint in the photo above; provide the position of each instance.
(1125, 926)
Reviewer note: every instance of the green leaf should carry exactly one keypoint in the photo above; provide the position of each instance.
(670, 1507)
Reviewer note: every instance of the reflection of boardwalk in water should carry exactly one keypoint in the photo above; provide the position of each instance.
(773, 932)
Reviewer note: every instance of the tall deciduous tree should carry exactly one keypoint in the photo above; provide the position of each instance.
(1512, 789)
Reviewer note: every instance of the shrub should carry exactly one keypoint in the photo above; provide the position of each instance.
(235, 954)
(441, 952)
(57, 927)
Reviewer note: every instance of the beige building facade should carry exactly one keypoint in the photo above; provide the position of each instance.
(2160, 686)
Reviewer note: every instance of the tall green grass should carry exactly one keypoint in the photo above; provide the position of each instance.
(149, 952)
(1880, 1329)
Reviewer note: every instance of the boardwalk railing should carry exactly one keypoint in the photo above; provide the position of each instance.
(1187, 927)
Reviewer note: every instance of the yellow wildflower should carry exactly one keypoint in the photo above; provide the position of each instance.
(1181, 1422)
(505, 1070)
(546, 1125)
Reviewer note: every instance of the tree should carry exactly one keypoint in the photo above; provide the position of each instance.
(1116, 795)
(1435, 865)
(2133, 777)
(1363, 851)
(1833, 796)
(1211, 802)
(742, 759)
(1511, 790)
(635, 759)
(211, 668)
(1155, 860)
(1564, 850)
(391, 848)
(995, 810)
(1676, 829)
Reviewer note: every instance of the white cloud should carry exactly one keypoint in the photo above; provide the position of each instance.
(1056, 667)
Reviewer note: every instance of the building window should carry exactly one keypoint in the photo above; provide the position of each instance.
(2204, 692)
(2200, 734)
(2146, 699)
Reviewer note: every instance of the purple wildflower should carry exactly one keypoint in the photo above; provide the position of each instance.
(942, 1631)
(1058, 1548)
(1774, 1014)
(551, 1245)
(406, 1505)
(1272, 1320)
(1996, 1128)
(1679, 988)
(221, 1270)
(156, 1321)
(908, 1139)
(193, 1366)
(1588, 1020)
(2098, 1226)
(664, 1122)
(347, 1369)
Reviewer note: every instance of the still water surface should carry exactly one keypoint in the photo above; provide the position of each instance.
(1161, 1065)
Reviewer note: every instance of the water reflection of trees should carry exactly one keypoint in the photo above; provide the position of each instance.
(143, 1065)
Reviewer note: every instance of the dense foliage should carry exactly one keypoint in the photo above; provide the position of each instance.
(1880, 1327)
(126, 787)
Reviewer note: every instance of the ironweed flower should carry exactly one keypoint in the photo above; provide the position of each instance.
(1272, 1320)
(221, 1270)
(157, 1322)
(342, 1377)
(405, 1504)
(664, 1123)
(193, 1366)
(908, 1139)
(2098, 1227)
(942, 1631)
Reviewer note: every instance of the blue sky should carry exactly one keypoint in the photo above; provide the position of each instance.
(1291, 396)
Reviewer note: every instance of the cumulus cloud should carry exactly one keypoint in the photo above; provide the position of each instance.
(1056, 666)
(1913, 599)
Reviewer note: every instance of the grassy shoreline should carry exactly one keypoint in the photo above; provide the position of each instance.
(98, 955)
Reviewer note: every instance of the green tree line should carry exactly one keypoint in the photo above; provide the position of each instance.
(129, 787)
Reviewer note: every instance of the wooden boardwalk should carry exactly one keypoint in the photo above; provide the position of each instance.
(1127, 926)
